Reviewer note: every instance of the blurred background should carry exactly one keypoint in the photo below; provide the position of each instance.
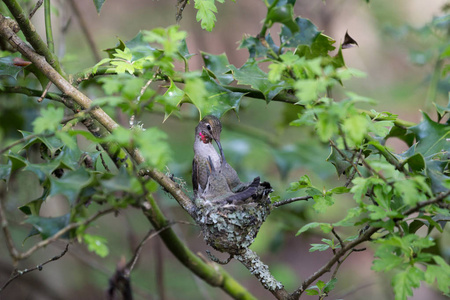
(398, 61)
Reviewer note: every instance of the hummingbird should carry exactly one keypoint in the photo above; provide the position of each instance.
(217, 189)
(228, 172)
(212, 176)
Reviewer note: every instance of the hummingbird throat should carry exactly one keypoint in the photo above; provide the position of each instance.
(204, 138)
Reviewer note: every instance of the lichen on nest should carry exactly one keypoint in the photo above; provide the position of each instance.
(233, 227)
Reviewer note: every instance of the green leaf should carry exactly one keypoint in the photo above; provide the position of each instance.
(33, 207)
(17, 161)
(320, 285)
(52, 143)
(411, 190)
(170, 38)
(416, 161)
(171, 100)
(312, 292)
(431, 136)
(98, 5)
(439, 273)
(5, 172)
(325, 227)
(319, 247)
(96, 244)
(386, 260)
(355, 128)
(154, 148)
(218, 65)
(321, 46)
(401, 133)
(47, 227)
(304, 33)
(120, 182)
(49, 120)
(251, 74)
(140, 47)
(42, 171)
(70, 184)
(340, 163)
(403, 282)
(257, 49)
(213, 99)
(303, 182)
(7, 67)
(205, 14)
(330, 285)
(321, 203)
(283, 14)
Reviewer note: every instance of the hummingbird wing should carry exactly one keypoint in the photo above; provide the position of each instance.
(201, 171)
(250, 191)
(195, 176)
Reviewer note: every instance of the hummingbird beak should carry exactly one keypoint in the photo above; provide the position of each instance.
(219, 145)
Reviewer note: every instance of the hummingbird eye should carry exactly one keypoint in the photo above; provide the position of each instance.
(208, 127)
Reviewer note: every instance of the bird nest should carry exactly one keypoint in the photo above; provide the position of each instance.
(233, 227)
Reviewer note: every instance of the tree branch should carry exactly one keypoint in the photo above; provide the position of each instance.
(19, 273)
(33, 93)
(31, 34)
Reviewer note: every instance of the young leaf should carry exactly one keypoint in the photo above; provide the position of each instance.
(205, 14)
(211, 98)
(49, 120)
(96, 244)
(325, 227)
(404, 281)
(319, 247)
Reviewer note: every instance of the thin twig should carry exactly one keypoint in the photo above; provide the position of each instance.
(290, 200)
(103, 161)
(19, 273)
(44, 93)
(13, 252)
(350, 178)
(36, 7)
(61, 232)
(345, 157)
(79, 115)
(338, 237)
(181, 4)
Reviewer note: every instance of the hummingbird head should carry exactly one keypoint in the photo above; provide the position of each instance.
(209, 129)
